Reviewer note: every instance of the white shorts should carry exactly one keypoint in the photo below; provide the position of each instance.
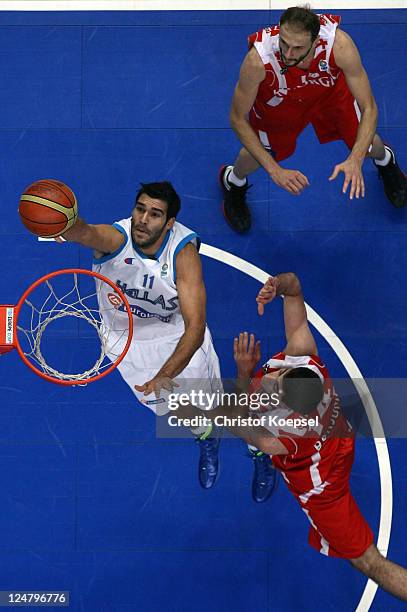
(144, 359)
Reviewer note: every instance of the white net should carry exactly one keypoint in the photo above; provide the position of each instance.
(65, 334)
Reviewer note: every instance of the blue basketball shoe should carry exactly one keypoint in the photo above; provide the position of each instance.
(208, 469)
(264, 477)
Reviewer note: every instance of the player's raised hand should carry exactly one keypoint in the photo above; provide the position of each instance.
(156, 384)
(352, 169)
(266, 294)
(292, 181)
(246, 353)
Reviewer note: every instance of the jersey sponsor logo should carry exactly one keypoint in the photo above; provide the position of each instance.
(114, 299)
(143, 295)
(139, 312)
(323, 65)
(310, 79)
(313, 78)
(130, 261)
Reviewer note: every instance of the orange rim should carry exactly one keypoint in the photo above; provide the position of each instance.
(59, 273)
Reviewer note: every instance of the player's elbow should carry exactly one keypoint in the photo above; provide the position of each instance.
(369, 106)
(374, 109)
(201, 333)
(236, 118)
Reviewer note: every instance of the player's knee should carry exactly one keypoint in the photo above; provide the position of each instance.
(369, 561)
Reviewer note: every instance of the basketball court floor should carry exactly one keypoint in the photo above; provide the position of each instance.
(91, 502)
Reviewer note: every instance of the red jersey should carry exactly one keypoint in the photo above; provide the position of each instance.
(287, 87)
(318, 465)
(311, 457)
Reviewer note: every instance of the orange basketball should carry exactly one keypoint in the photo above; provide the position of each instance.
(48, 208)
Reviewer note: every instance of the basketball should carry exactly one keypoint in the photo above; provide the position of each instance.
(48, 208)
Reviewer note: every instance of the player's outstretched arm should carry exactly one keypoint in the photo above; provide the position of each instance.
(300, 340)
(102, 238)
(192, 301)
(252, 73)
(348, 59)
(246, 352)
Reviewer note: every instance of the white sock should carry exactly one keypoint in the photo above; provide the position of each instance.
(231, 178)
(387, 157)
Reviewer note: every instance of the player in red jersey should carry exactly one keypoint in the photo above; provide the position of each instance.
(315, 456)
(303, 71)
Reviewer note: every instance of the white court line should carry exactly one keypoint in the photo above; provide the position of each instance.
(189, 5)
(386, 488)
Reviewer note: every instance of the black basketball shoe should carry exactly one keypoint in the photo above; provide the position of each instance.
(234, 205)
(394, 181)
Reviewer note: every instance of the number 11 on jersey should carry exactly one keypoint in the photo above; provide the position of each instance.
(149, 280)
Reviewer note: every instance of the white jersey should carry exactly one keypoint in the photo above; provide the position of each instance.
(150, 287)
(148, 283)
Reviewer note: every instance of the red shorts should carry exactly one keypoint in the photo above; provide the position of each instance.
(338, 528)
(334, 116)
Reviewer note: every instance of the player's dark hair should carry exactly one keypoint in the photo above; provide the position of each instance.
(301, 18)
(162, 191)
(302, 390)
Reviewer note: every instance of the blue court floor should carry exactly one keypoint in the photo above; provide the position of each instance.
(92, 502)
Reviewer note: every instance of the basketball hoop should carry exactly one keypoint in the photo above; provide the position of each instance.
(56, 311)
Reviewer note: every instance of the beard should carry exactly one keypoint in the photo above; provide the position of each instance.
(292, 63)
(148, 238)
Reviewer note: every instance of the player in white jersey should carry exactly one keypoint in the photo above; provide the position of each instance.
(154, 260)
